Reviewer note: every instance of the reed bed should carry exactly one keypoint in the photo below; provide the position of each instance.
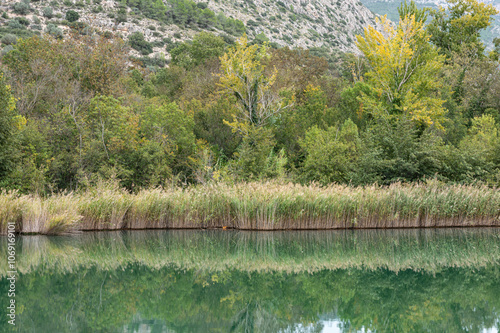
(255, 206)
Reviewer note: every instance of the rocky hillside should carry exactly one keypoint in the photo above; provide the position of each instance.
(328, 24)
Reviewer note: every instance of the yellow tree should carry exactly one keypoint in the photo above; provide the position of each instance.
(404, 72)
(243, 75)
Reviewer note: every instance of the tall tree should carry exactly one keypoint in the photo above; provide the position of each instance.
(243, 75)
(403, 72)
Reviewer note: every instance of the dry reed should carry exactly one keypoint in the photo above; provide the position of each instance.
(256, 206)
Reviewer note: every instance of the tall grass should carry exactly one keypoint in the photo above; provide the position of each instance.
(256, 206)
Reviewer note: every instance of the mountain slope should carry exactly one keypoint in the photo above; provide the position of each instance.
(327, 24)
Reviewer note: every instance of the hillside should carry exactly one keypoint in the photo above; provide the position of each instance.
(294, 23)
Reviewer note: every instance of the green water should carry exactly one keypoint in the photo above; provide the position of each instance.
(227, 281)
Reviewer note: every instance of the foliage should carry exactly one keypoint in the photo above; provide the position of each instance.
(137, 42)
(9, 39)
(243, 76)
(459, 26)
(9, 124)
(331, 154)
(402, 72)
(223, 113)
(21, 8)
(186, 13)
(48, 12)
(72, 16)
(203, 47)
(54, 31)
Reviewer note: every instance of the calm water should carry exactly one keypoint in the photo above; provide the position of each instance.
(227, 281)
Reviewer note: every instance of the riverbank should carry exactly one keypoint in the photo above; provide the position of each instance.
(255, 206)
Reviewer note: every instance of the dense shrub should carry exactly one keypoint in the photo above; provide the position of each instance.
(48, 12)
(9, 39)
(54, 31)
(72, 16)
(137, 42)
(21, 8)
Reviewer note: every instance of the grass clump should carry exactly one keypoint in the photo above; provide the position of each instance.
(53, 215)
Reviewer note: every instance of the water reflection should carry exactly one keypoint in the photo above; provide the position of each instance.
(215, 281)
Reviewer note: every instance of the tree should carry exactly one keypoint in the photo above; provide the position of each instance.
(244, 77)
(481, 147)
(331, 154)
(402, 72)
(203, 47)
(7, 126)
(495, 53)
(172, 128)
(459, 26)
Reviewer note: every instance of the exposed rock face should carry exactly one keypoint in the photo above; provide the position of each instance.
(301, 23)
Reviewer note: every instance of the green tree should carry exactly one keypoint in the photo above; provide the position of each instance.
(459, 26)
(481, 148)
(203, 47)
(331, 154)
(172, 128)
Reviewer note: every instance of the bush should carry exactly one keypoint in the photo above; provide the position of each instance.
(48, 12)
(6, 49)
(79, 27)
(121, 15)
(97, 9)
(138, 43)
(54, 31)
(9, 39)
(72, 16)
(15, 24)
(23, 20)
(21, 8)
